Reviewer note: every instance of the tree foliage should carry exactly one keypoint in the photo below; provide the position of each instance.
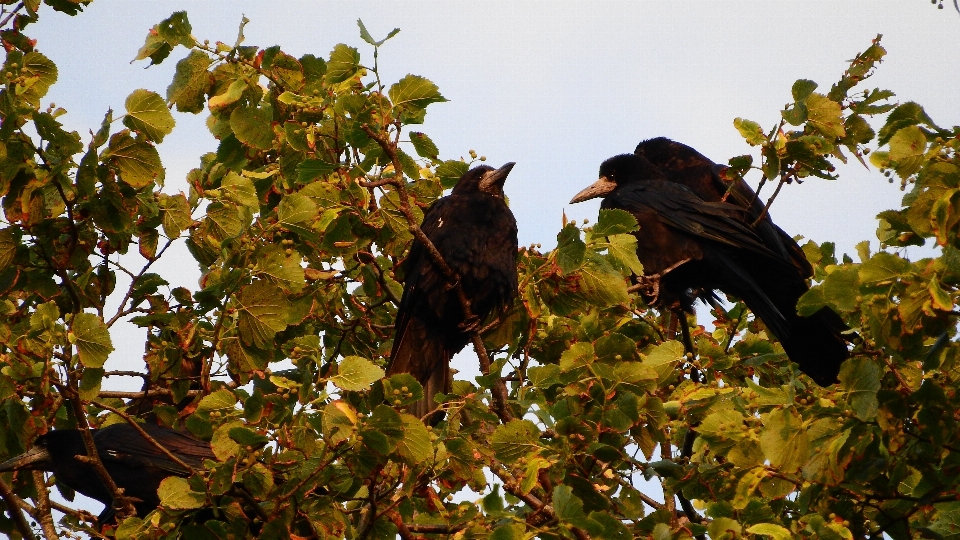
(299, 222)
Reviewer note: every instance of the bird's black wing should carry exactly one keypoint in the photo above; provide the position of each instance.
(684, 165)
(123, 443)
(682, 210)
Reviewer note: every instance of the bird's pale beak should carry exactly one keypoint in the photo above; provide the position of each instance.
(495, 178)
(597, 189)
(37, 458)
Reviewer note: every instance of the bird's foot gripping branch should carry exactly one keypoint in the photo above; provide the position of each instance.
(319, 189)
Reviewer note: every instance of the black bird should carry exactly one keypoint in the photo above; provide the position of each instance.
(476, 233)
(691, 239)
(132, 461)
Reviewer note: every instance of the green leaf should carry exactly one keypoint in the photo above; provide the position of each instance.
(364, 35)
(423, 145)
(747, 486)
(191, 82)
(253, 126)
(570, 249)
(614, 222)
(750, 131)
(344, 63)
(784, 440)
(824, 115)
(175, 493)
(664, 359)
(222, 445)
(40, 74)
(282, 269)
(415, 447)
(802, 89)
(450, 171)
(90, 383)
(883, 267)
(309, 170)
(907, 148)
(296, 208)
(263, 312)
(772, 530)
(860, 379)
(339, 421)
(228, 97)
(92, 339)
(216, 401)
(175, 214)
(568, 506)
(623, 253)
(601, 284)
(147, 113)
(136, 160)
(414, 92)
(176, 29)
(355, 374)
(240, 190)
(578, 355)
(8, 246)
(515, 439)
(247, 437)
(723, 528)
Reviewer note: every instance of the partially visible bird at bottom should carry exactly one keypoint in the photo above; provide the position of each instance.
(134, 464)
(475, 232)
(692, 241)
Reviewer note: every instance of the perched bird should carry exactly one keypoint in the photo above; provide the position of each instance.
(132, 461)
(692, 241)
(476, 234)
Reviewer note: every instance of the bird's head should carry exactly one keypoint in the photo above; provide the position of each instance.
(618, 171)
(484, 179)
(39, 458)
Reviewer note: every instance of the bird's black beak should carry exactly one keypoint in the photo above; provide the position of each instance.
(492, 181)
(37, 458)
(597, 189)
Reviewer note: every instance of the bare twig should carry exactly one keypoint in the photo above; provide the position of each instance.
(15, 509)
(766, 207)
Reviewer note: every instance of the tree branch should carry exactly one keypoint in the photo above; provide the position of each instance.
(15, 506)
(43, 507)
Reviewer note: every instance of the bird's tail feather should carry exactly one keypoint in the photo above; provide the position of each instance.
(428, 361)
(817, 344)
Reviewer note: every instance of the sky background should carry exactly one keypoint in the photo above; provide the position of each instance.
(555, 86)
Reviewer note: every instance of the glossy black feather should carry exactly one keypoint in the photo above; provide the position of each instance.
(133, 463)
(698, 233)
(476, 233)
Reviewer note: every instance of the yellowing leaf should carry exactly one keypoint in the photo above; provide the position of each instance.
(175, 493)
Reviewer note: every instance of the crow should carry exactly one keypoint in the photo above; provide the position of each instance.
(476, 234)
(692, 239)
(134, 464)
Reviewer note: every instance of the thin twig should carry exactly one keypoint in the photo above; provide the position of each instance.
(766, 207)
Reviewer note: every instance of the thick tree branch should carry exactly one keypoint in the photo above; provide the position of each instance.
(43, 507)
